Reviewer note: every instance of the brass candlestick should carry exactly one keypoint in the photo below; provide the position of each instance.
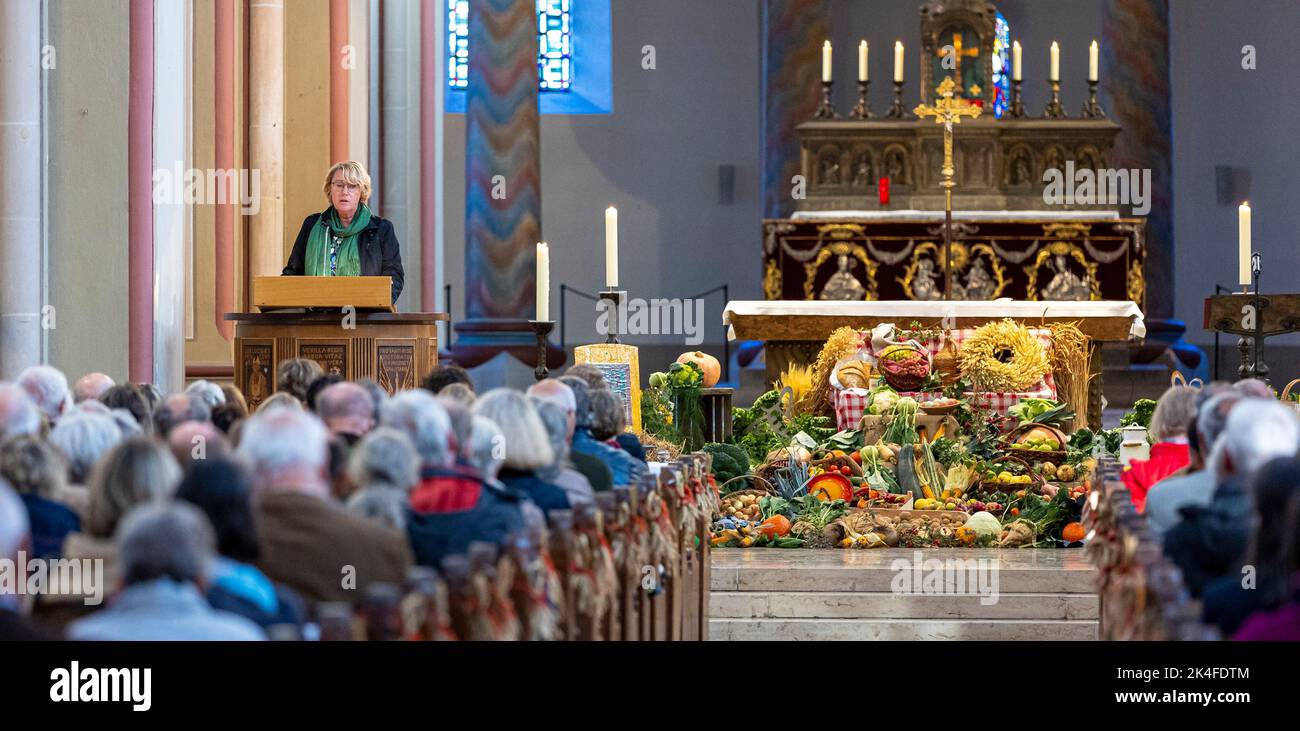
(826, 110)
(1054, 110)
(862, 110)
(1017, 110)
(948, 111)
(1092, 109)
(615, 299)
(896, 111)
(542, 329)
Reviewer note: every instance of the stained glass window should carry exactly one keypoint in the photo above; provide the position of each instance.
(1001, 66)
(554, 39)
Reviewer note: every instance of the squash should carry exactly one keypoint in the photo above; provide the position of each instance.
(777, 526)
(1073, 532)
(707, 363)
(907, 479)
(831, 486)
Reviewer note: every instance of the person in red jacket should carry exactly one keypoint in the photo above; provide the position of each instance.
(1169, 424)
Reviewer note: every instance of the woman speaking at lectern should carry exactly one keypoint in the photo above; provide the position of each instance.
(347, 240)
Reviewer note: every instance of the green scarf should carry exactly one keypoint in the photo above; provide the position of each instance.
(329, 233)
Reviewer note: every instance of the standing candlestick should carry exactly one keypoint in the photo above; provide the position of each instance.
(1092, 108)
(1092, 62)
(1243, 247)
(1056, 63)
(542, 329)
(826, 62)
(614, 298)
(1015, 61)
(1017, 110)
(826, 110)
(862, 110)
(543, 281)
(897, 111)
(1054, 110)
(611, 247)
(862, 62)
(898, 62)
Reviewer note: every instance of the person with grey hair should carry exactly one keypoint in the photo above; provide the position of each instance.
(590, 374)
(624, 468)
(38, 472)
(347, 410)
(460, 393)
(15, 538)
(384, 467)
(305, 539)
(295, 375)
(527, 447)
(48, 389)
(280, 400)
(462, 424)
(1169, 451)
(197, 441)
(18, 415)
(1211, 541)
(166, 553)
(92, 407)
(561, 395)
(178, 409)
(560, 471)
(126, 423)
(425, 421)
(1168, 497)
(208, 392)
(84, 437)
(378, 396)
(609, 423)
(91, 386)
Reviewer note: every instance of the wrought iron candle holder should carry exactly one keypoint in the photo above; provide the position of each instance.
(1091, 108)
(1017, 110)
(1054, 109)
(826, 110)
(897, 111)
(862, 110)
(542, 329)
(615, 298)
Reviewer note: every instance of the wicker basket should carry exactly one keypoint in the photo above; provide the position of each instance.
(898, 380)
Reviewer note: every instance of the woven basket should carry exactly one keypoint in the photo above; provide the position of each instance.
(903, 381)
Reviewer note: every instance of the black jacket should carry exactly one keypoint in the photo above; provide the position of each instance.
(377, 245)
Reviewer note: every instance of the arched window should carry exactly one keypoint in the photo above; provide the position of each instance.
(1001, 66)
(573, 60)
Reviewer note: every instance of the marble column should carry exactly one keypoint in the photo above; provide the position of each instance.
(140, 226)
(793, 32)
(171, 218)
(1135, 75)
(21, 261)
(433, 82)
(266, 248)
(400, 137)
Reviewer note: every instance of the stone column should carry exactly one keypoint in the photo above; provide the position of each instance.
(223, 102)
(266, 249)
(171, 218)
(339, 76)
(433, 83)
(21, 262)
(140, 124)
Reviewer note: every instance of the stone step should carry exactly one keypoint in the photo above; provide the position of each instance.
(899, 629)
(887, 605)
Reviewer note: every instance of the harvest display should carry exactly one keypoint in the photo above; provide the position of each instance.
(876, 445)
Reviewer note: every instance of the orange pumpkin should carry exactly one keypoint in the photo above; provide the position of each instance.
(707, 363)
(777, 526)
(1073, 532)
(831, 486)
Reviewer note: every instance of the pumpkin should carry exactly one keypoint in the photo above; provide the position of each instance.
(1073, 532)
(831, 486)
(708, 365)
(777, 526)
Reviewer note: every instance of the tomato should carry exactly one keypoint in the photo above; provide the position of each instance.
(846, 470)
(857, 457)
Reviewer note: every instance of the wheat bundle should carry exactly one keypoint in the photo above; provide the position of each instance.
(842, 343)
(1003, 356)
(1071, 350)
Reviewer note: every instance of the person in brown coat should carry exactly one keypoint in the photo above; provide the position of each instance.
(305, 539)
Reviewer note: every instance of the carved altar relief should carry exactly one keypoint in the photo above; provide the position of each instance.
(864, 170)
(256, 369)
(396, 367)
(332, 355)
(1019, 167)
(898, 165)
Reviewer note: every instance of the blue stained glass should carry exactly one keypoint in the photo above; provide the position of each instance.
(554, 40)
(1001, 66)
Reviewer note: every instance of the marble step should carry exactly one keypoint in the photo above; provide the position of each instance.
(1019, 571)
(886, 605)
(900, 629)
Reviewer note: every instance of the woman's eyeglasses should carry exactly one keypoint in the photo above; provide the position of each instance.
(350, 187)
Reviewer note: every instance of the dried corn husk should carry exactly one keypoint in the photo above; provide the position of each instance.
(1026, 367)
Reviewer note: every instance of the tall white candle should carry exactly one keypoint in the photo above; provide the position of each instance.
(1056, 62)
(1243, 244)
(611, 247)
(543, 281)
(826, 61)
(862, 61)
(1015, 61)
(898, 60)
(1092, 62)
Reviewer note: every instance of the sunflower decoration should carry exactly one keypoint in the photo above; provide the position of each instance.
(1003, 356)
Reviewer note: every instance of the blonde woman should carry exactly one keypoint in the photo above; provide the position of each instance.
(527, 447)
(347, 240)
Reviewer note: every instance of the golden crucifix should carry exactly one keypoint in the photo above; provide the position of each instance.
(947, 111)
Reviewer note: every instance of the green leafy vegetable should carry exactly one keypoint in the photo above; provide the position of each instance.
(1143, 408)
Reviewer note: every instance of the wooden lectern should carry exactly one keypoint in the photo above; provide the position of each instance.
(347, 324)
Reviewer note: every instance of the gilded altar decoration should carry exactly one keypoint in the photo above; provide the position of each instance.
(1069, 274)
(844, 283)
(1137, 283)
(1003, 356)
(978, 272)
(772, 281)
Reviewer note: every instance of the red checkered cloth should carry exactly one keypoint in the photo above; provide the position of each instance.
(851, 403)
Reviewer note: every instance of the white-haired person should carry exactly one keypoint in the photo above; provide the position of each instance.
(527, 447)
(306, 540)
(18, 413)
(624, 468)
(556, 392)
(91, 386)
(451, 507)
(384, 468)
(347, 239)
(1211, 541)
(166, 552)
(560, 471)
(347, 410)
(84, 437)
(1174, 414)
(208, 392)
(15, 538)
(48, 389)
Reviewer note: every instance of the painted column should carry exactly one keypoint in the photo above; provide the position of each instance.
(20, 180)
(1135, 74)
(140, 122)
(793, 32)
(171, 216)
(339, 75)
(503, 193)
(266, 250)
(433, 83)
(224, 65)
